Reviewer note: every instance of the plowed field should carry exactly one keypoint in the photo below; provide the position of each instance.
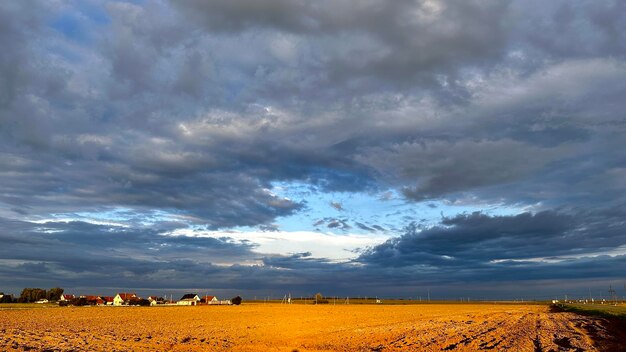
(274, 327)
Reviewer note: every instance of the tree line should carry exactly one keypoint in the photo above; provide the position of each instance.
(30, 295)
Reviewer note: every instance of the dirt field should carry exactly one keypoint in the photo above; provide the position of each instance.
(274, 327)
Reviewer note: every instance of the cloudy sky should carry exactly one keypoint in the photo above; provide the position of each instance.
(391, 148)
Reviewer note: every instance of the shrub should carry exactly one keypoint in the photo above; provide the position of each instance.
(236, 300)
(81, 301)
(319, 299)
(142, 302)
(6, 299)
(54, 294)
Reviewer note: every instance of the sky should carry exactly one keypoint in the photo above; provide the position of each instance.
(384, 148)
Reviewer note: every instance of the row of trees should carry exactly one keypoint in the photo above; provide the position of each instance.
(30, 295)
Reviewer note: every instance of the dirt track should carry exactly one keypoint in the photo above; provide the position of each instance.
(272, 327)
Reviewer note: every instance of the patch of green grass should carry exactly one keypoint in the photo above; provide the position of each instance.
(27, 305)
(603, 310)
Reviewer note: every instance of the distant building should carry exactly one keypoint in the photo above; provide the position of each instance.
(124, 299)
(41, 301)
(154, 300)
(209, 300)
(94, 300)
(108, 300)
(66, 297)
(190, 299)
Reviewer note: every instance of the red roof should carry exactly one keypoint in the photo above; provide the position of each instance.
(127, 296)
(108, 298)
(67, 296)
(92, 298)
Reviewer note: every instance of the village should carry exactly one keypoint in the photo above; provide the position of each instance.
(131, 299)
(120, 299)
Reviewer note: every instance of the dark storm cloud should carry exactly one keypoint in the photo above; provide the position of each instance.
(108, 256)
(478, 240)
(197, 109)
(83, 254)
(101, 244)
(111, 256)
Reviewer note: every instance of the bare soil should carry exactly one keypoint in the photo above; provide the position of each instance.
(275, 327)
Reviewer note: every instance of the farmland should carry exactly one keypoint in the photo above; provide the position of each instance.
(275, 327)
(603, 310)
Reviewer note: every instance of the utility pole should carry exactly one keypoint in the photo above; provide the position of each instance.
(428, 295)
(612, 293)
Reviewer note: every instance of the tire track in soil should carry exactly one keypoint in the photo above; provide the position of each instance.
(539, 332)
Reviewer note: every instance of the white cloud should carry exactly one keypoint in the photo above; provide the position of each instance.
(321, 245)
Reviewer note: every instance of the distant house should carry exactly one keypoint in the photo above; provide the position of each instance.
(154, 300)
(190, 299)
(108, 300)
(124, 298)
(209, 300)
(66, 297)
(94, 300)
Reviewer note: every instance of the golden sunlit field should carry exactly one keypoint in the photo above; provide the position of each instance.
(275, 327)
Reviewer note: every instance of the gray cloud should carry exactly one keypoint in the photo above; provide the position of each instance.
(477, 240)
(364, 227)
(372, 39)
(82, 254)
(109, 257)
(124, 138)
